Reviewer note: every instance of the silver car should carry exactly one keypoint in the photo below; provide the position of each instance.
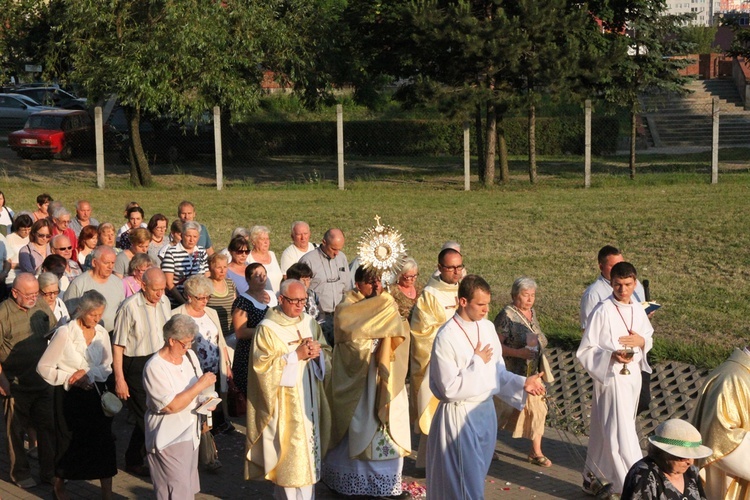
(15, 108)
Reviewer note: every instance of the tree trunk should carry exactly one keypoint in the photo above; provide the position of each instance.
(479, 137)
(633, 135)
(140, 173)
(502, 146)
(491, 136)
(532, 144)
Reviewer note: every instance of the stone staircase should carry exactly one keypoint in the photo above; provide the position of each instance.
(674, 121)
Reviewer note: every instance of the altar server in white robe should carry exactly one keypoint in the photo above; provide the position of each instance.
(616, 324)
(466, 370)
(288, 421)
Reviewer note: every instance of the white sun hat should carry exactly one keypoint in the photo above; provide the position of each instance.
(679, 438)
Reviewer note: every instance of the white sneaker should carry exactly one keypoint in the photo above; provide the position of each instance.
(26, 483)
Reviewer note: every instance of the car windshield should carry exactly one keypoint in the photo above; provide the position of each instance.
(26, 100)
(49, 122)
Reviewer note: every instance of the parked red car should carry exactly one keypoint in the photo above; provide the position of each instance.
(59, 133)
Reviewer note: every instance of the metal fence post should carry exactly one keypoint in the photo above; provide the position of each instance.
(467, 157)
(217, 149)
(587, 145)
(99, 136)
(340, 142)
(715, 142)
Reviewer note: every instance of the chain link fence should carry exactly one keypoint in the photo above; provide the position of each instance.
(673, 135)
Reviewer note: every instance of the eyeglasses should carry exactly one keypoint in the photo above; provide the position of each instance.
(202, 299)
(410, 276)
(453, 268)
(53, 293)
(295, 302)
(43, 235)
(26, 295)
(189, 344)
(246, 251)
(64, 248)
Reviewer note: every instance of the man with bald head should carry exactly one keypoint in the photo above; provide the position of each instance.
(83, 217)
(61, 245)
(25, 323)
(331, 276)
(138, 335)
(101, 279)
(299, 247)
(290, 361)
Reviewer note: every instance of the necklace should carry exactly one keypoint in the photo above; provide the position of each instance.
(466, 334)
(632, 314)
(524, 318)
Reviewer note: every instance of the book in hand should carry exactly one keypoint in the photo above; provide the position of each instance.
(207, 406)
(650, 306)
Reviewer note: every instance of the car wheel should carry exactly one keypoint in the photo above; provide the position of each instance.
(66, 152)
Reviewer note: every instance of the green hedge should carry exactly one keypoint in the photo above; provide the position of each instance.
(416, 137)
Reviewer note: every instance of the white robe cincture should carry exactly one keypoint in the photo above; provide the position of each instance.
(613, 439)
(464, 430)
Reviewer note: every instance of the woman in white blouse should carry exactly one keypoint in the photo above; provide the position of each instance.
(209, 345)
(49, 289)
(77, 362)
(261, 253)
(174, 381)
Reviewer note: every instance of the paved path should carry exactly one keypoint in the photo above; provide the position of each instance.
(510, 477)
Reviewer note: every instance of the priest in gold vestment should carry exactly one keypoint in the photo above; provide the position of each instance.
(370, 430)
(288, 419)
(722, 416)
(436, 305)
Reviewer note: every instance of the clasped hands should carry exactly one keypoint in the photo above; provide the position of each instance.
(308, 349)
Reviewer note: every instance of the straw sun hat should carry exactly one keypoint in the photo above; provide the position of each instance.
(679, 438)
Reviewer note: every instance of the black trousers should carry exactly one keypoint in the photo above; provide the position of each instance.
(132, 369)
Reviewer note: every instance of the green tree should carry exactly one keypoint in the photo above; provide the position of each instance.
(701, 39)
(652, 38)
(552, 59)
(24, 34)
(180, 58)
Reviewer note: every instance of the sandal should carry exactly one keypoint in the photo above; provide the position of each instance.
(541, 461)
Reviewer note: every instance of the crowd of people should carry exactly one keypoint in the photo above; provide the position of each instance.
(340, 369)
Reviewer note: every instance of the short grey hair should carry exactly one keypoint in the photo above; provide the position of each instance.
(256, 231)
(240, 231)
(409, 265)
(284, 288)
(198, 285)
(452, 244)
(89, 301)
(139, 260)
(180, 326)
(191, 224)
(521, 284)
(300, 223)
(57, 238)
(81, 202)
(47, 279)
(101, 250)
(59, 212)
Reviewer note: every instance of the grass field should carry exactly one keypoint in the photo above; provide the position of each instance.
(689, 238)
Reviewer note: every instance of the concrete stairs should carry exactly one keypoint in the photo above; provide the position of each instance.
(674, 121)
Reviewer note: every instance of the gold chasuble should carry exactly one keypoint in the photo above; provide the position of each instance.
(365, 329)
(723, 418)
(436, 305)
(288, 417)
